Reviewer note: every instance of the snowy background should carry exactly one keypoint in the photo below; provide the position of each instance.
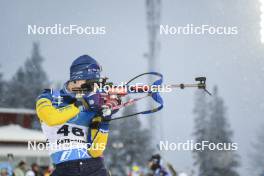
(234, 63)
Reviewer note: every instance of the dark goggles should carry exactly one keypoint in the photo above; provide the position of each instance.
(90, 84)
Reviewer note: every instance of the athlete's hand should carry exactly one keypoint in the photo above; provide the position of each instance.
(111, 101)
(106, 111)
(92, 101)
(106, 114)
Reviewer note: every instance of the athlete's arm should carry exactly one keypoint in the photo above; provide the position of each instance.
(54, 116)
(99, 137)
(99, 132)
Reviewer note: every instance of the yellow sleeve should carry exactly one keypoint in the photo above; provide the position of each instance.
(99, 139)
(54, 116)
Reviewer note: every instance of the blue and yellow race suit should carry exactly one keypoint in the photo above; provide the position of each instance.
(68, 128)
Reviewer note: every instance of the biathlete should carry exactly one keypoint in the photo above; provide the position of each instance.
(76, 132)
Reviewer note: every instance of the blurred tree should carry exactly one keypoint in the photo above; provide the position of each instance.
(201, 130)
(128, 144)
(222, 162)
(28, 82)
(257, 155)
(215, 130)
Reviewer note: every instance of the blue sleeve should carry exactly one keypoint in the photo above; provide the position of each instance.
(45, 94)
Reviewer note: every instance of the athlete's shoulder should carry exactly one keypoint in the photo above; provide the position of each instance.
(46, 93)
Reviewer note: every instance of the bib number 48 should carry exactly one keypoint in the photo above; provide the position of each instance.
(65, 130)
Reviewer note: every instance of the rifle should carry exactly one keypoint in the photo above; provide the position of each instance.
(111, 91)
